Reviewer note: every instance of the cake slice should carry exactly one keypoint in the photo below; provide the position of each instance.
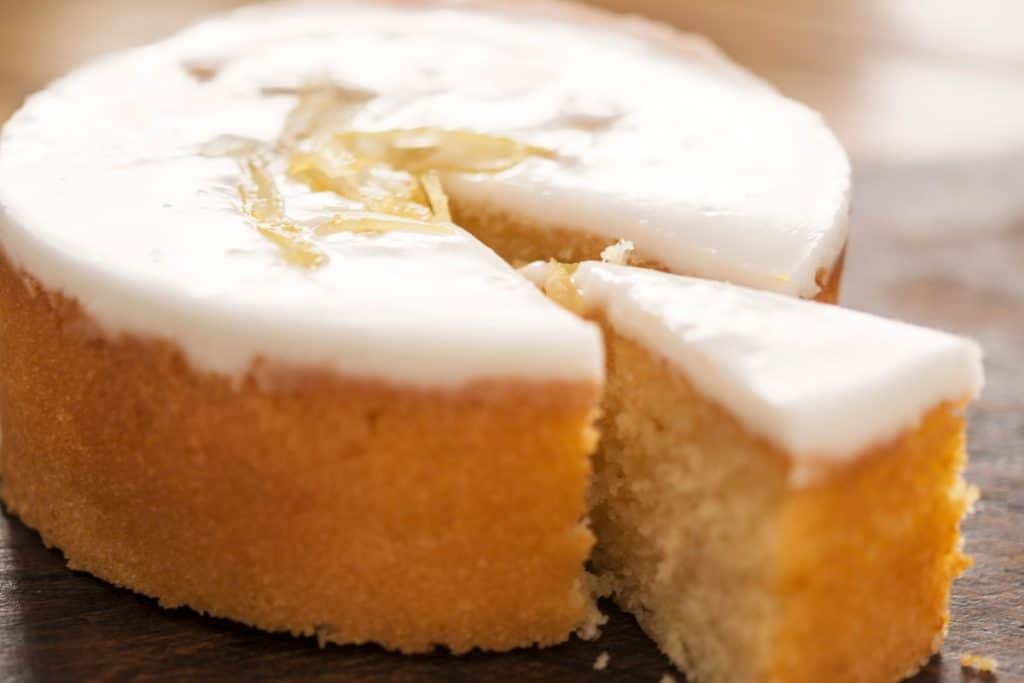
(777, 491)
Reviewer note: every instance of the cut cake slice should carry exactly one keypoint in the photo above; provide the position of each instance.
(777, 491)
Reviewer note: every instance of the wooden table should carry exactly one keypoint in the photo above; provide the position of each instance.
(929, 97)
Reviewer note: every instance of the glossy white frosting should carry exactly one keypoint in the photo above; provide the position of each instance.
(660, 140)
(821, 382)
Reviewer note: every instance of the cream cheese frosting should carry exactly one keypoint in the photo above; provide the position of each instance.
(107, 197)
(820, 382)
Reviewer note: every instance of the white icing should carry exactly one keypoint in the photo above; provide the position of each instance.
(660, 140)
(821, 382)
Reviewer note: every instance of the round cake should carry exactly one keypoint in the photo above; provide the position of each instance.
(264, 351)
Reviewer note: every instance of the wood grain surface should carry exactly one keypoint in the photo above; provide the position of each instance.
(929, 97)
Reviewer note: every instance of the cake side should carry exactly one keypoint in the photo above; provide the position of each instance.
(865, 559)
(297, 501)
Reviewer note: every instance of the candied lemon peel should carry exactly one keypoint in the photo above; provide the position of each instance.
(262, 202)
(559, 286)
(417, 150)
(392, 177)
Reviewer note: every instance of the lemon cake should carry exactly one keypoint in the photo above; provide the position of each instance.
(777, 492)
(263, 353)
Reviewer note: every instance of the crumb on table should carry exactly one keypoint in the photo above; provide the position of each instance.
(980, 663)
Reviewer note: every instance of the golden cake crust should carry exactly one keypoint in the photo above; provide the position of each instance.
(297, 501)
